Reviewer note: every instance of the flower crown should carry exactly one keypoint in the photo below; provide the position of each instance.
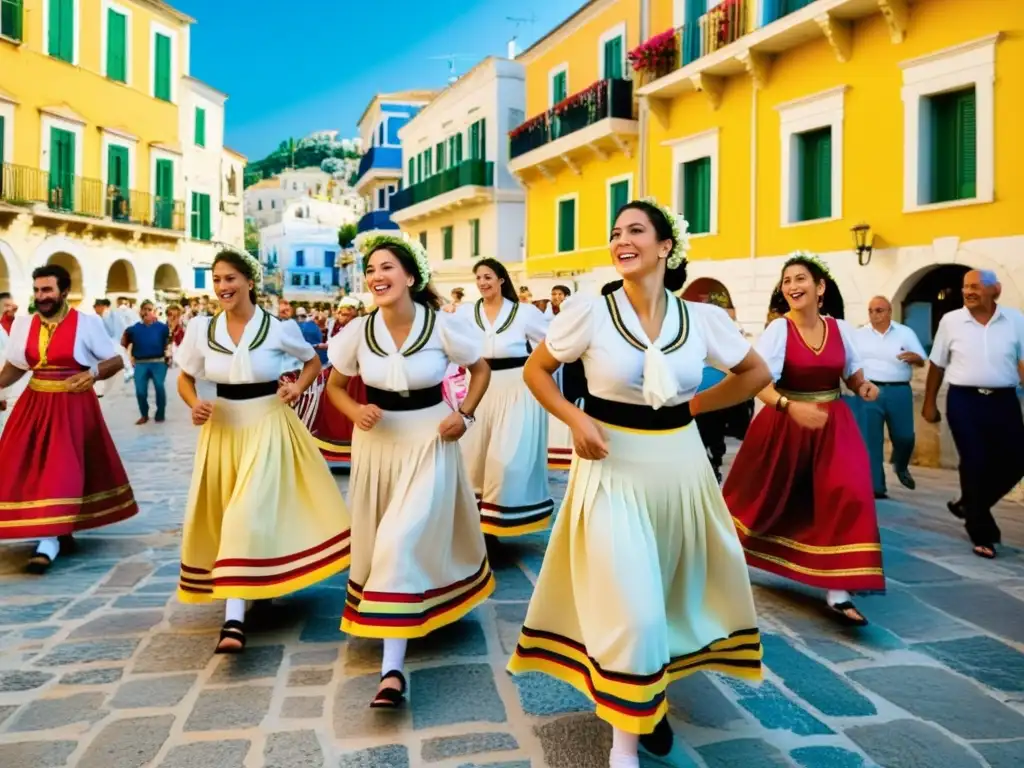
(680, 233)
(797, 257)
(369, 242)
(254, 266)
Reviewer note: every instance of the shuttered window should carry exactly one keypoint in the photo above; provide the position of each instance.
(566, 225)
(412, 172)
(428, 161)
(613, 58)
(954, 146)
(164, 213)
(447, 238)
(696, 178)
(201, 229)
(618, 196)
(458, 148)
(117, 180)
(815, 175)
(62, 169)
(162, 67)
(200, 127)
(559, 87)
(478, 140)
(474, 237)
(423, 239)
(439, 150)
(117, 46)
(61, 44)
(11, 14)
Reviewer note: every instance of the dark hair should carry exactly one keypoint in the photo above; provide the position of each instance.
(831, 302)
(675, 279)
(146, 303)
(428, 297)
(563, 288)
(4, 295)
(507, 291)
(56, 271)
(240, 263)
(460, 292)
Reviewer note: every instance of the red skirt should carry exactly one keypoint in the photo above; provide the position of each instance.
(60, 469)
(332, 430)
(803, 502)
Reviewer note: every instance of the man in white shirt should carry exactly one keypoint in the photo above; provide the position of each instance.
(9, 396)
(889, 351)
(979, 349)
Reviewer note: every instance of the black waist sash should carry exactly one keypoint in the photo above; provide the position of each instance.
(641, 417)
(505, 363)
(247, 391)
(415, 400)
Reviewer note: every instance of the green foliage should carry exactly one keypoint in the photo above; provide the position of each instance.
(346, 235)
(302, 153)
(252, 236)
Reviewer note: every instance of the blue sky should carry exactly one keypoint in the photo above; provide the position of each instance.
(318, 68)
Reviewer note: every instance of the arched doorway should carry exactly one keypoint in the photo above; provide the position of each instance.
(934, 293)
(70, 263)
(707, 290)
(121, 278)
(167, 283)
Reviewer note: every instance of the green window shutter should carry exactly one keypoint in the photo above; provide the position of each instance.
(200, 127)
(11, 13)
(62, 169)
(559, 89)
(423, 239)
(458, 148)
(474, 231)
(419, 166)
(613, 59)
(439, 150)
(815, 174)
(474, 138)
(162, 68)
(204, 218)
(428, 161)
(618, 196)
(117, 59)
(164, 205)
(697, 194)
(566, 225)
(967, 145)
(483, 139)
(412, 172)
(446, 233)
(61, 43)
(193, 229)
(117, 168)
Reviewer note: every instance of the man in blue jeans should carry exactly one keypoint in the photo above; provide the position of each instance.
(147, 342)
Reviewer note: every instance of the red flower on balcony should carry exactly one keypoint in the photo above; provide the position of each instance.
(592, 96)
(537, 121)
(654, 54)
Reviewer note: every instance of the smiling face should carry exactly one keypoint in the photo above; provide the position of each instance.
(47, 296)
(977, 295)
(799, 288)
(387, 279)
(635, 247)
(879, 313)
(557, 297)
(345, 315)
(231, 286)
(488, 283)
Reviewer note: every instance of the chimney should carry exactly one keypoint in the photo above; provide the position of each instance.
(512, 48)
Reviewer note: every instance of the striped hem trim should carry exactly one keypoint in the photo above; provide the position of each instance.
(559, 458)
(58, 526)
(334, 452)
(633, 703)
(406, 615)
(498, 520)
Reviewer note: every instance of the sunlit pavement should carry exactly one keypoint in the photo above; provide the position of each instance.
(101, 667)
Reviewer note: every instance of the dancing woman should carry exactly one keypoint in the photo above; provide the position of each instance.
(800, 488)
(506, 453)
(265, 517)
(643, 581)
(419, 561)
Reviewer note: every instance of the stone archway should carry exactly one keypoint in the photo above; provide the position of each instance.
(929, 294)
(708, 290)
(121, 278)
(167, 279)
(71, 264)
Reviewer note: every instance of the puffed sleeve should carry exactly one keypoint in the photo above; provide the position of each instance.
(853, 361)
(343, 349)
(772, 346)
(190, 356)
(572, 330)
(93, 335)
(461, 340)
(15, 351)
(940, 344)
(536, 323)
(725, 343)
(293, 342)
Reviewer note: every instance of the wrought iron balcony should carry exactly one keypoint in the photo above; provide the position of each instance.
(477, 173)
(376, 220)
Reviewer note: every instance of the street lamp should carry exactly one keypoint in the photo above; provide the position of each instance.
(863, 243)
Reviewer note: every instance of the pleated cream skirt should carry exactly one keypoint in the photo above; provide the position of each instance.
(643, 581)
(418, 556)
(506, 456)
(265, 517)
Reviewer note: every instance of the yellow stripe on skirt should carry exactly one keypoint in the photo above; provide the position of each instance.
(418, 556)
(644, 580)
(265, 516)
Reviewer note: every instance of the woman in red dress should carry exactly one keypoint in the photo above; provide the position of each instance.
(800, 488)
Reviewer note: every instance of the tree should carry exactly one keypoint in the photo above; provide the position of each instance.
(332, 165)
(346, 235)
(252, 236)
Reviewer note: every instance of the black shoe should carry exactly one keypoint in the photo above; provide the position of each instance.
(903, 475)
(38, 564)
(881, 495)
(956, 508)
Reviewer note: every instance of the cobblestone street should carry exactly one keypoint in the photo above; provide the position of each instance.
(101, 667)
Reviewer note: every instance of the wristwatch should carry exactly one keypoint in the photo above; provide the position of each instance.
(94, 371)
(467, 419)
(782, 404)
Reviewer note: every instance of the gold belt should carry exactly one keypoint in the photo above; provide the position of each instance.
(826, 396)
(47, 385)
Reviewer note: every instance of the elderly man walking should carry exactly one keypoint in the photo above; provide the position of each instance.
(979, 350)
(889, 351)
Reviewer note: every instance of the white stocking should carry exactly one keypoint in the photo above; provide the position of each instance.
(234, 609)
(394, 655)
(49, 547)
(624, 750)
(837, 596)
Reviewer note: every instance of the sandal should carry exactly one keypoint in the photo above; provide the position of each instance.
(390, 698)
(38, 564)
(232, 630)
(985, 551)
(842, 611)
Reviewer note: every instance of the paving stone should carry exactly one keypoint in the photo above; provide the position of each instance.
(44, 714)
(937, 695)
(314, 658)
(697, 700)
(353, 718)
(137, 602)
(158, 588)
(153, 692)
(1006, 754)
(986, 606)
(815, 683)
(175, 653)
(167, 571)
(230, 708)
(826, 757)
(392, 756)
(6, 712)
(512, 584)
(32, 613)
(909, 618)
(748, 753)
(907, 569)
(910, 744)
(447, 747)
(987, 660)
(318, 629)
(321, 601)
(541, 695)
(208, 754)
(302, 707)
(37, 754)
(510, 618)
(84, 607)
(464, 693)
(575, 741)
(208, 617)
(114, 624)
(39, 633)
(464, 638)
(832, 651)
(93, 676)
(127, 575)
(89, 651)
(309, 677)
(131, 743)
(507, 764)
(16, 681)
(774, 711)
(298, 749)
(256, 663)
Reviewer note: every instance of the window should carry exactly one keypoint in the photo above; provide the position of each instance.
(439, 150)
(273, 204)
(117, 46)
(382, 199)
(200, 216)
(11, 14)
(199, 275)
(612, 56)
(62, 169)
(380, 134)
(316, 278)
(162, 67)
(695, 185)
(567, 225)
(618, 196)
(117, 181)
(330, 257)
(164, 211)
(478, 140)
(814, 160)
(423, 239)
(953, 161)
(446, 238)
(559, 85)
(3, 133)
(812, 157)
(411, 176)
(474, 237)
(419, 167)
(61, 43)
(300, 258)
(296, 279)
(200, 127)
(394, 125)
(259, 205)
(428, 162)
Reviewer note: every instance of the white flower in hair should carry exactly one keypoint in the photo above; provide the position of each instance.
(368, 242)
(680, 233)
(254, 266)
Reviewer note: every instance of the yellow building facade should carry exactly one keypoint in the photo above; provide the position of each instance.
(99, 126)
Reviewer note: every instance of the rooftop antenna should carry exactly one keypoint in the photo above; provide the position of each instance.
(451, 59)
(517, 21)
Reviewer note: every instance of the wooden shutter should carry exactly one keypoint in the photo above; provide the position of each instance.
(823, 175)
(10, 18)
(566, 225)
(697, 194)
(439, 150)
(62, 169)
(618, 196)
(967, 145)
(117, 168)
(194, 217)
(204, 217)
(200, 127)
(458, 147)
(428, 161)
(482, 135)
(447, 234)
(117, 59)
(815, 175)
(162, 73)
(613, 59)
(559, 89)
(474, 137)
(61, 43)
(474, 232)
(412, 171)
(165, 193)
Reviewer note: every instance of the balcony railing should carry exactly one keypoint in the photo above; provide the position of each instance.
(726, 23)
(380, 157)
(776, 9)
(477, 173)
(376, 220)
(65, 193)
(604, 99)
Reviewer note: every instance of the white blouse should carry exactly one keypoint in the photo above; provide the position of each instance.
(772, 347)
(207, 351)
(515, 325)
(366, 348)
(92, 344)
(620, 362)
